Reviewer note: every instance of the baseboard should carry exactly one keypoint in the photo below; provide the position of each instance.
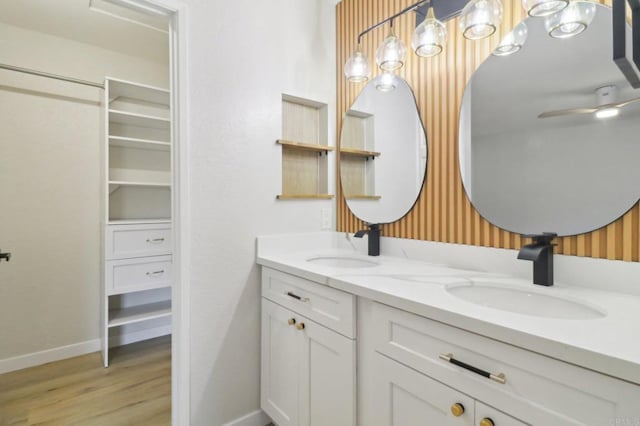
(257, 418)
(49, 355)
(63, 352)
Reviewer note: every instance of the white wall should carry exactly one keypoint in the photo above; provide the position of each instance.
(243, 56)
(50, 144)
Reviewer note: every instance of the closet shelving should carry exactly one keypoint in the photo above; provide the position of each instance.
(137, 212)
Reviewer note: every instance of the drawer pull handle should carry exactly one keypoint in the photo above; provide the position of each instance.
(292, 321)
(295, 296)
(160, 272)
(500, 378)
(155, 240)
(300, 326)
(487, 422)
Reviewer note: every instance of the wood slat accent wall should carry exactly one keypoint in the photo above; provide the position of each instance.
(443, 212)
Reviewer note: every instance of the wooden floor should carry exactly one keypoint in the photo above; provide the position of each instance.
(134, 390)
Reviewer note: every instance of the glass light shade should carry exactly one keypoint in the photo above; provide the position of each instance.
(390, 54)
(480, 18)
(512, 42)
(544, 7)
(572, 20)
(429, 37)
(356, 69)
(386, 82)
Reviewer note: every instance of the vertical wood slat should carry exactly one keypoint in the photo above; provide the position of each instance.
(443, 211)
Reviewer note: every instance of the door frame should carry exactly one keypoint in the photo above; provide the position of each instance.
(176, 13)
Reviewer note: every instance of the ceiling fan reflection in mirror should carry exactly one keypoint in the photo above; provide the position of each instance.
(607, 106)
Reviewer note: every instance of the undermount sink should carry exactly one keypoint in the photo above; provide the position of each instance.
(524, 302)
(341, 262)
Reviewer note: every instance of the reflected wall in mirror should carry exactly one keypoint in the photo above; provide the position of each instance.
(537, 149)
(383, 151)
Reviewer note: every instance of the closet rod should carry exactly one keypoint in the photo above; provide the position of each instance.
(54, 76)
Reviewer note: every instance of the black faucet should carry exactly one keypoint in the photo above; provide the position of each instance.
(374, 238)
(541, 253)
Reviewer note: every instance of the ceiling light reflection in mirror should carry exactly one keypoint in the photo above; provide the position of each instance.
(549, 135)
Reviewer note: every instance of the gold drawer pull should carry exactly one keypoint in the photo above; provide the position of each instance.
(292, 321)
(500, 378)
(487, 422)
(457, 409)
(300, 326)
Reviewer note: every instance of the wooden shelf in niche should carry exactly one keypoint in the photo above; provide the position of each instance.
(304, 146)
(304, 140)
(363, 197)
(304, 196)
(359, 152)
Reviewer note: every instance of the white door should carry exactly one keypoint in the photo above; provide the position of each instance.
(327, 377)
(281, 343)
(489, 416)
(405, 397)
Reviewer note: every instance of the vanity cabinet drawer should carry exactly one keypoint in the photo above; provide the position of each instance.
(128, 241)
(332, 308)
(129, 275)
(537, 389)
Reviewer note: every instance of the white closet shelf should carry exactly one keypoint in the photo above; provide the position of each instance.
(139, 313)
(116, 184)
(127, 89)
(138, 143)
(137, 221)
(139, 120)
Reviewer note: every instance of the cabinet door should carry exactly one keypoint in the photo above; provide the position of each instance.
(281, 343)
(327, 377)
(404, 397)
(493, 417)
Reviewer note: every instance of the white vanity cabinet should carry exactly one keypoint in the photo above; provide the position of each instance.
(403, 397)
(409, 357)
(308, 374)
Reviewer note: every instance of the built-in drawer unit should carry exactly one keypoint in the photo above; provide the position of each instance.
(137, 240)
(526, 385)
(327, 306)
(128, 275)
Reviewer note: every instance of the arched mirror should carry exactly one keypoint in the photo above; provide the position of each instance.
(547, 140)
(383, 151)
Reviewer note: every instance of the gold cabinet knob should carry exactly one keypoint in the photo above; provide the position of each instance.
(291, 321)
(300, 326)
(457, 409)
(487, 422)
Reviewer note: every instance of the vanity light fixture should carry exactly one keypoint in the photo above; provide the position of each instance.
(356, 69)
(513, 41)
(386, 82)
(429, 37)
(572, 20)
(544, 7)
(480, 18)
(390, 54)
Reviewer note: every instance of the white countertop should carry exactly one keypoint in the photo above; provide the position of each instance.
(610, 345)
